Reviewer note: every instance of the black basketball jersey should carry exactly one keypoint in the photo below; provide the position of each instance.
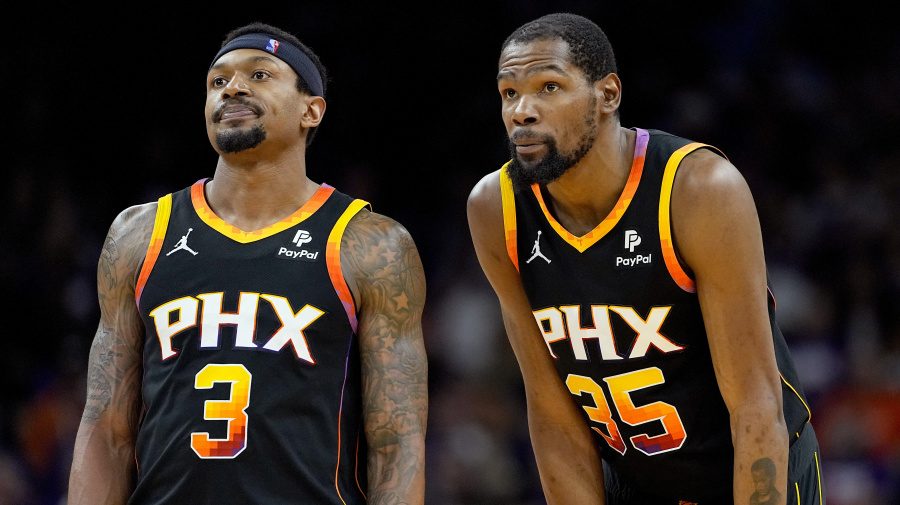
(622, 321)
(251, 380)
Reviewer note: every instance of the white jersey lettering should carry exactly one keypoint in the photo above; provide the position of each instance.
(555, 329)
(602, 331)
(648, 331)
(292, 326)
(187, 317)
(562, 323)
(213, 317)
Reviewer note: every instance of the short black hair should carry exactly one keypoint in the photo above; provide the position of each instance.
(278, 33)
(589, 48)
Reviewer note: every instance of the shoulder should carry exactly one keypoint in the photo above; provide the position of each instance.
(128, 238)
(485, 213)
(485, 210)
(712, 209)
(377, 250)
(485, 196)
(135, 218)
(706, 176)
(134, 223)
(372, 228)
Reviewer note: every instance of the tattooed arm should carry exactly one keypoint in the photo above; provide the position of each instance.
(717, 234)
(385, 274)
(103, 465)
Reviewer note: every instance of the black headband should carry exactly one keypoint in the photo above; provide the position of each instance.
(283, 50)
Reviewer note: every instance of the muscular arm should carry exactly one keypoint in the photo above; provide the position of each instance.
(717, 234)
(567, 460)
(103, 464)
(386, 276)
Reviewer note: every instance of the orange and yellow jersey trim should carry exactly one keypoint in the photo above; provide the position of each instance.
(585, 241)
(163, 211)
(333, 260)
(508, 196)
(670, 258)
(209, 217)
(582, 243)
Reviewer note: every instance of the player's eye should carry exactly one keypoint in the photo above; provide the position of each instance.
(509, 93)
(259, 74)
(218, 82)
(550, 87)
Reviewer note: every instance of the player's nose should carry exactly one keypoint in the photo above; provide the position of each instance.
(237, 86)
(525, 113)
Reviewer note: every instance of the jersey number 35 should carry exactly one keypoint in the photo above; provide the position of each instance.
(620, 387)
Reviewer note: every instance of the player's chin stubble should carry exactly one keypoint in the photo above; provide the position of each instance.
(549, 168)
(235, 141)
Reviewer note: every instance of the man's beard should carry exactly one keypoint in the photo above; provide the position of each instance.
(554, 164)
(235, 141)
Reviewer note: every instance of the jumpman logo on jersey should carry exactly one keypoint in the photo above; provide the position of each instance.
(182, 244)
(536, 250)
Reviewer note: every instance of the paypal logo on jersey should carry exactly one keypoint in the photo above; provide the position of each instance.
(300, 238)
(632, 240)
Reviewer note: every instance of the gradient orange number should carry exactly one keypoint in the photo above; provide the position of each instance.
(232, 410)
(600, 414)
(620, 387)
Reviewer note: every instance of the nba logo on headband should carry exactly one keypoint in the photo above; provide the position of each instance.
(290, 54)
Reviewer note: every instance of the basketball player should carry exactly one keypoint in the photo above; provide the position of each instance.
(260, 339)
(646, 337)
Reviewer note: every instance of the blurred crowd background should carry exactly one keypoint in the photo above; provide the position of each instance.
(106, 111)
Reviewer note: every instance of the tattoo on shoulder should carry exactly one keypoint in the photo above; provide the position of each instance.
(764, 473)
(382, 259)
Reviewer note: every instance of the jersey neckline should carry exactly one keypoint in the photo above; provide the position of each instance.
(206, 214)
(585, 241)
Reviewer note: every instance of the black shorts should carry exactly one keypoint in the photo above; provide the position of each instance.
(805, 471)
(623, 493)
(804, 480)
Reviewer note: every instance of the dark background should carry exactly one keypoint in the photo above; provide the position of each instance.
(105, 110)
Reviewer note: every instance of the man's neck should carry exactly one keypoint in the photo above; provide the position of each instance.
(251, 192)
(587, 193)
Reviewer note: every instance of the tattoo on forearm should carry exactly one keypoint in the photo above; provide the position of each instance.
(99, 387)
(112, 365)
(390, 279)
(764, 473)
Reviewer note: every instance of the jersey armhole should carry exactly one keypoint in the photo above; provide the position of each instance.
(508, 196)
(333, 260)
(673, 265)
(163, 212)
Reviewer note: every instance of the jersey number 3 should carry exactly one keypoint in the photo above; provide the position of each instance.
(619, 388)
(232, 410)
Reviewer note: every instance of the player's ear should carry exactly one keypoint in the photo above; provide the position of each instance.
(609, 93)
(315, 111)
